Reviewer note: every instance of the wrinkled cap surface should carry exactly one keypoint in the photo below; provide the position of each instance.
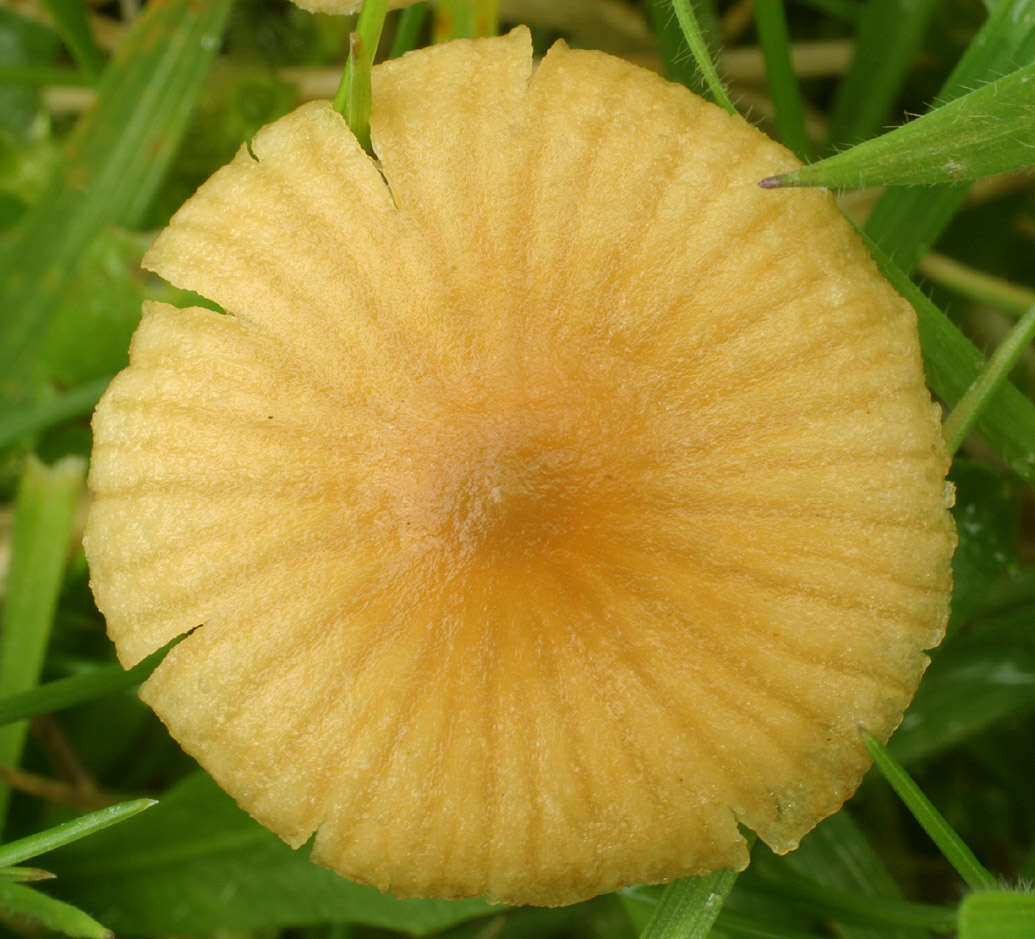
(550, 498)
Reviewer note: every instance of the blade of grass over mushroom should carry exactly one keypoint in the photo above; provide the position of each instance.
(905, 222)
(969, 408)
(783, 85)
(53, 914)
(74, 26)
(352, 100)
(68, 832)
(888, 35)
(997, 914)
(991, 130)
(408, 26)
(695, 41)
(34, 416)
(145, 98)
(79, 689)
(977, 285)
(953, 363)
(44, 515)
(931, 820)
(688, 907)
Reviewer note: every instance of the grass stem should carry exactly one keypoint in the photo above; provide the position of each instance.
(969, 408)
(931, 820)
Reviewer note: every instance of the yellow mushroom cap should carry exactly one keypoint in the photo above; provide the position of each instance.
(551, 498)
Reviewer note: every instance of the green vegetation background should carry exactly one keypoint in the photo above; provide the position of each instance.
(112, 114)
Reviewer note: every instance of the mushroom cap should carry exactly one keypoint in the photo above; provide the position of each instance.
(551, 499)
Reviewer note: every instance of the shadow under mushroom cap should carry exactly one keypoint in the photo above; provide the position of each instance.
(552, 498)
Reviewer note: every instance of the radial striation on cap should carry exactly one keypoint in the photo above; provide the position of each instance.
(551, 498)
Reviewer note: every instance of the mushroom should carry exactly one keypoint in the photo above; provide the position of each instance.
(550, 500)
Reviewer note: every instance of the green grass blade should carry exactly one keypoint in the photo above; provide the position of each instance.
(352, 100)
(44, 515)
(71, 21)
(34, 416)
(407, 29)
(953, 363)
(836, 855)
(969, 408)
(907, 222)
(114, 163)
(783, 85)
(977, 285)
(668, 36)
(51, 913)
(41, 75)
(854, 906)
(962, 697)
(25, 875)
(79, 689)
(688, 907)
(931, 820)
(888, 36)
(34, 845)
(997, 915)
(991, 130)
(465, 19)
(695, 41)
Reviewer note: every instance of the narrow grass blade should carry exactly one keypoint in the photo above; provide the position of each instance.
(953, 363)
(25, 875)
(906, 222)
(44, 514)
(114, 163)
(454, 19)
(688, 907)
(34, 845)
(34, 416)
(486, 17)
(41, 75)
(72, 23)
(888, 36)
(930, 819)
(51, 913)
(352, 100)
(699, 50)
(977, 285)
(997, 915)
(78, 689)
(668, 36)
(991, 130)
(852, 906)
(407, 29)
(783, 85)
(969, 408)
